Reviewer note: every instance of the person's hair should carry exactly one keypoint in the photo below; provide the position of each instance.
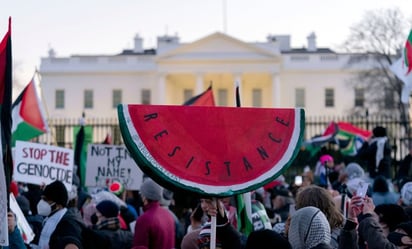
(380, 185)
(319, 197)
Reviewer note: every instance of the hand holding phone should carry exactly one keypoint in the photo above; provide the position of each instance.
(362, 189)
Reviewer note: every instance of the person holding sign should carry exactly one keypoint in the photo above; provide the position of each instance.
(226, 236)
(62, 227)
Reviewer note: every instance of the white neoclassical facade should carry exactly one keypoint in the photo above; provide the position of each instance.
(270, 74)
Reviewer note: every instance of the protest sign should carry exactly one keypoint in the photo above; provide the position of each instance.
(42, 164)
(108, 163)
(24, 227)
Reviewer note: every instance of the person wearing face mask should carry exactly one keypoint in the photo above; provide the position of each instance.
(62, 228)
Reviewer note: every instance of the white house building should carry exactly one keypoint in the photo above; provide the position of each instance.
(270, 74)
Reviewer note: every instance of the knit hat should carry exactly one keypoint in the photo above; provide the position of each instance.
(167, 197)
(203, 239)
(108, 209)
(325, 158)
(116, 188)
(56, 192)
(151, 190)
(354, 170)
(406, 193)
(308, 228)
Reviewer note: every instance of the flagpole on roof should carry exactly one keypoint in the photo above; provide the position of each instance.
(50, 137)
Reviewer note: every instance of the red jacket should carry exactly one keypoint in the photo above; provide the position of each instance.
(155, 228)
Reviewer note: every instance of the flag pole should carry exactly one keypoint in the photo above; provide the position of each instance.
(213, 225)
(49, 134)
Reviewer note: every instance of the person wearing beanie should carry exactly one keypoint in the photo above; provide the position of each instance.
(63, 226)
(155, 228)
(376, 153)
(309, 229)
(108, 225)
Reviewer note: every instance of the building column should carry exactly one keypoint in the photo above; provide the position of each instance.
(161, 90)
(276, 90)
(199, 84)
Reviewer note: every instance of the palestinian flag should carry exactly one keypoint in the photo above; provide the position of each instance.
(244, 213)
(6, 161)
(407, 53)
(204, 99)
(29, 120)
(82, 137)
(402, 68)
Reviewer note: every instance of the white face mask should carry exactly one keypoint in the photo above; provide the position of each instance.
(44, 208)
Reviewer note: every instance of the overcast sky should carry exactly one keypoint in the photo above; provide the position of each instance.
(108, 26)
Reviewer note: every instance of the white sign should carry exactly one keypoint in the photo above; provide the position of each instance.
(42, 164)
(24, 227)
(108, 163)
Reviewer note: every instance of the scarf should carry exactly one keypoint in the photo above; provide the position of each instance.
(49, 227)
(380, 144)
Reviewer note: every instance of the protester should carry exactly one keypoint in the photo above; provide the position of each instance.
(322, 199)
(108, 225)
(381, 193)
(377, 154)
(309, 229)
(62, 228)
(15, 238)
(155, 228)
(369, 233)
(35, 221)
(389, 216)
(226, 236)
(323, 167)
(165, 202)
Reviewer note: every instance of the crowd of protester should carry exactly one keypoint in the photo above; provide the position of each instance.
(326, 209)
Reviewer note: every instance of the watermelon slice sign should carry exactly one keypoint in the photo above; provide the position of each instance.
(214, 151)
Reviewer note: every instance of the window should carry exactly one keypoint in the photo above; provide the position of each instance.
(359, 97)
(389, 98)
(300, 97)
(257, 97)
(146, 96)
(59, 99)
(187, 94)
(116, 97)
(60, 135)
(329, 97)
(222, 97)
(88, 99)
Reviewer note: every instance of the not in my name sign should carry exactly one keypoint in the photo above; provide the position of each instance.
(108, 163)
(42, 164)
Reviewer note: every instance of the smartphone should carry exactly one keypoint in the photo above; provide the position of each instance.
(362, 189)
(298, 180)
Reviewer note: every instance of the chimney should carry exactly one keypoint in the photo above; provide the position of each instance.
(312, 42)
(52, 53)
(138, 44)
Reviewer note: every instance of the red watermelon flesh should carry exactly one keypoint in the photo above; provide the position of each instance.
(211, 150)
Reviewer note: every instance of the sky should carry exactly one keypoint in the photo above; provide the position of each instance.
(105, 27)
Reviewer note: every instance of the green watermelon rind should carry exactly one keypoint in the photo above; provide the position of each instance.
(150, 166)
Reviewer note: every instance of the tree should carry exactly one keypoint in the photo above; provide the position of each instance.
(376, 42)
